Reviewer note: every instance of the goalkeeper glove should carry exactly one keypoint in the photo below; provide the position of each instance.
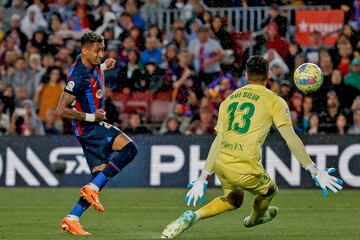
(324, 180)
(197, 189)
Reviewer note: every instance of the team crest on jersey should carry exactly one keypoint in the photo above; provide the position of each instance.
(70, 85)
(99, 93)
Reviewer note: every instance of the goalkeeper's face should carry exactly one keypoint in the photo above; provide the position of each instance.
(94, 52)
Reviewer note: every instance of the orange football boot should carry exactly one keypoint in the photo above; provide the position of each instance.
(73, 226)
(92, 196)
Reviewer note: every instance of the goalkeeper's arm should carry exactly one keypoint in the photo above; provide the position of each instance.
(322, 178)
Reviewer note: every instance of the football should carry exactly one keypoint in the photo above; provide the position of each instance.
(308, 77)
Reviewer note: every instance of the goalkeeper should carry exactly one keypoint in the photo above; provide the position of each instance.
(245, 118)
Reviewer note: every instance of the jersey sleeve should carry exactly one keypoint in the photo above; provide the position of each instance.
(221, 118)
(73, 85)
(281, 113)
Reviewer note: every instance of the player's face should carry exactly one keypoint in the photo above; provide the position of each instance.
(94, 53)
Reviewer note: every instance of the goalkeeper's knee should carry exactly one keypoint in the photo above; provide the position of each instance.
(235, 199)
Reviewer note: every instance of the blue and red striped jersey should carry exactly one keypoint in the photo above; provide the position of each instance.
(87, 85)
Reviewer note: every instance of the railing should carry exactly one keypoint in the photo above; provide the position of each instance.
(237, 19)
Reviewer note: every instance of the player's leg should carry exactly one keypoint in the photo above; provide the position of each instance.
(71, 222)
(124, 151)
(231, 200)
(261, 212)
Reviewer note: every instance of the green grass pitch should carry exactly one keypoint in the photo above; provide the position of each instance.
(35, 213)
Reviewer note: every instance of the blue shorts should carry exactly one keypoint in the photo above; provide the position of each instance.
(97, 141)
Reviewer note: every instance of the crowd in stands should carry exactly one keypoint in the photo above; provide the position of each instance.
(167, 82)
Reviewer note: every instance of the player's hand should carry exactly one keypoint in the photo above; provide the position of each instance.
(100, 115)
(197, 189)
(110, 63)
(324, 180)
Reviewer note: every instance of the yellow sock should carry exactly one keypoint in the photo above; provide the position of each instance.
(215, 207)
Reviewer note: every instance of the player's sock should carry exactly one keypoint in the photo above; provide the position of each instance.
(117, 162)
(215, 207)
(261, 203)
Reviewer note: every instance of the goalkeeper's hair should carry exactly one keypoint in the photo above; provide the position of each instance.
(91, 37)
(257, 68)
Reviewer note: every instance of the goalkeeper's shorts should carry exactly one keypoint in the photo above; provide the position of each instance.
(233, 181)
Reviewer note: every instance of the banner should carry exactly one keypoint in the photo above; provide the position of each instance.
(327, 22)
(168, 161)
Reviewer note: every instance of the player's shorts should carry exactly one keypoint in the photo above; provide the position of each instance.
(97, 141)
(233, 181)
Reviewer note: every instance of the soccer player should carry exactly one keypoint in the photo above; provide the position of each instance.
(107, 150)
(245, 118)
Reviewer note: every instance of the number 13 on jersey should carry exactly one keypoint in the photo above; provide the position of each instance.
(246, 111)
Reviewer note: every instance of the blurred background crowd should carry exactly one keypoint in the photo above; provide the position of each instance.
(170, 82)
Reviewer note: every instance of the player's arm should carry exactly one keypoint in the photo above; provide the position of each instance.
(65, 110)
(198, 187)
(321, 177)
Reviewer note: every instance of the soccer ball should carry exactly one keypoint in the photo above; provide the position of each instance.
(308, 77)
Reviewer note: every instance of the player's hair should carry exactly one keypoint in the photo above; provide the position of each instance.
(91, 37)
(257, 68)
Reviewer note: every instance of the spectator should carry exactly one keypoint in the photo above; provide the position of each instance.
(36, 70)
(172, 126)
(179, 40)
(132, 8)
(17, 7)
(275, 17)
(329, 116)
(33, 21)
(128, 43)
(8, 99)
(135, 125)
(4, 120)
(294, 119)
(39, 41)
(16, 33)
(115, 6)
(294, 50)
(314, 124)
(275, 41)
(112, 113)
(353, 79)
(63, 8)
(183, 79)
(220, 33)
(151, 80)
(195, 25)
(80, 20)
(285, 90)
(139, 40)
(126, 24)
(48, 94)
(296, 102)
(21, 77)
(341, 125)
(109, 24)
(49, 123)
(355, 128)
(304, 119)
(338, 86)
(344, 54)
(130, 74)
(207, 18)
(152, 52)
(205, 125)
(153, 31)
(206, 54)
(311, 53)
(183, 116)
(25, 122)
(222, 87)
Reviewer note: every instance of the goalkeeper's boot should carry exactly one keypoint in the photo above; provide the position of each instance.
(269, 215)
(73, 226)
(180, 225)
(92, 196)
